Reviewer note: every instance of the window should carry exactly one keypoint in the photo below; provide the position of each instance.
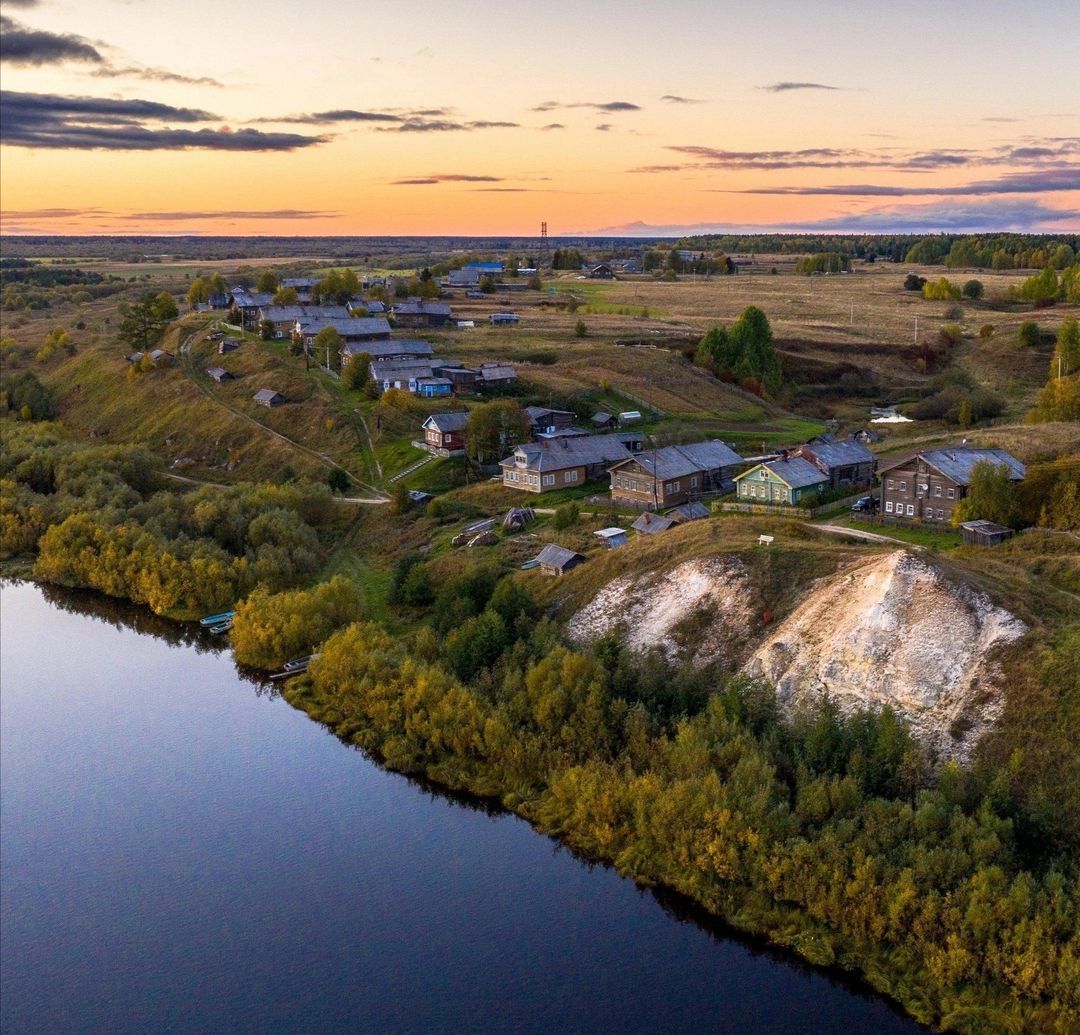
(952, 493)
(888, 506)
(903, 486)
(571, 476)
(937, 490)
(911, 510)
(549, 479)
(941, 515)
(673, 487)
(892, 484)
(693, 482)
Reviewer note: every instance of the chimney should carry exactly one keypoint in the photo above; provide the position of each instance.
(647, 517)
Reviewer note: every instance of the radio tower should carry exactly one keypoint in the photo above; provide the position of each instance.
(543, 236)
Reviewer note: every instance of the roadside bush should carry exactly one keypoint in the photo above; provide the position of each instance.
(566, 516)
(986, 331)
(1029, 334)
(973, 289)
(913, 282)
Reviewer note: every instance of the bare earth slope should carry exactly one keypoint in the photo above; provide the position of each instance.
(894, 630)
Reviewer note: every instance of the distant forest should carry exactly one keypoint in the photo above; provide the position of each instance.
(982, 251)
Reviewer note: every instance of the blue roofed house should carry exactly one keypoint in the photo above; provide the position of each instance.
(788, 481)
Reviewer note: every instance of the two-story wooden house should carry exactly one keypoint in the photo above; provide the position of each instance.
(561, 463)
(928, 484)
(445, 432)
(844, 462)
(658, 478)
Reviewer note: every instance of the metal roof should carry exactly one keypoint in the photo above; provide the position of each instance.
(841, 454)
(495, 372)
(394, 349)
(291, 313)
(347, 326)
(447, 421)
(557, 454)
(689, 512)
(557, 556)
(796, 473)
(266, 394)
(957, 464)
(421, 307)
(677, 461)
(650, 524)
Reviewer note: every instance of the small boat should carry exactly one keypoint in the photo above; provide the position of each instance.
(529, 565)
(211, 620)
(221, 627)
(298, 664)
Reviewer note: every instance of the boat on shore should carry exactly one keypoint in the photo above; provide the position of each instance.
(219, 619)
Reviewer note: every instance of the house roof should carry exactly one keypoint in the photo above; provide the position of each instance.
(610, 533)
(446, 422)
(650, 524)
(434, 381)
(495, 372)
(421, 307)
(217, 373)
(689, 512)
(291, 313)
(347, 326)
(266, 395)
(796, 473)
(557, 454)
(246, 299)
(676, 461)
(985, 527)
(841, 454)
(400, 369)
(396, 349)
(484, 267)
(600, 417)
(557, 556)
(958, 464)
(535, 413)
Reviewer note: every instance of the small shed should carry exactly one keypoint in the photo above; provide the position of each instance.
(219, 374)
(557, 560)
(503, 319)
(630, 417)
(650, 523)
(984, 533)
(602, 272)
(269, 398)
(611, 537)
(419, 497)
(518, 517)
(228, 345)
(689, 512)
(601, 419)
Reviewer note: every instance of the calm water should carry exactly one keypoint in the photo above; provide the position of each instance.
(183, 852)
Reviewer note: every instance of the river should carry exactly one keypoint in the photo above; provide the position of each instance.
(183, 851)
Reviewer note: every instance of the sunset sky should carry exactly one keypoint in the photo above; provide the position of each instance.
(161, 116)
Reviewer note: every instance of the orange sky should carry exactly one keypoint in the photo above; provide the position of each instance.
(313, 119)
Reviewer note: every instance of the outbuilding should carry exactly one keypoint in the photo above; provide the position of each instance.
(984, 533)
(219, 374)
(269, 398)
(557, 560)
(611, 537)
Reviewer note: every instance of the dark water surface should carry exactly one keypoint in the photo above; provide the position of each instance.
(182, 851)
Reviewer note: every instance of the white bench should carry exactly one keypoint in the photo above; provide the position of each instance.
(765, 540)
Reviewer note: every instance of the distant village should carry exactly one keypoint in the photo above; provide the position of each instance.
(668, 484)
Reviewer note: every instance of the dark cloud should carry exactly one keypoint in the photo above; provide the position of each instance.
(553, 125)
(610, 106)
(180, 217)
(326, 118)
(100, 123)
(154, 75)
(788, 86)
(603, 127)
(674, 98)
(50, 213)
(21, 3)
(417, 125)
(974, 217)
(21, 45)
(1036, 182)
(432, 178)
(999, 118)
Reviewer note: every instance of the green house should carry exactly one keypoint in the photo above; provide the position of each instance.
(780, 481)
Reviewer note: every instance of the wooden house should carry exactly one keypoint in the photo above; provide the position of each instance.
(496, 375)
(434, 387)
(220, 375)
(420, 312)
(352, 329)
(557, 560)
(462, 378)
(401, 373)
(503, 319)
(689, 512)
(658, 478)
(561, 463)
(397, 348)
(602, 272)
(269, 398)
(788, 481)
(227, 345)
(602, 420)
(611, 537)
(446, 431)
(844, 462)
(928, 484)
(650, 523)
(542, 420)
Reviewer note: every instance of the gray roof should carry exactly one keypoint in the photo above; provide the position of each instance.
(557, 454)
(650, 524)
(986, 527)
(497, 372)
(266, 395)
(600, 417)
(676, 461)
(245, 299)
(534, 413)
(448, 421)
(400, 369)
(291, 313)
(797, 472)
(841, 454)
(463, 278)
(958, 464)
(421, 307)
(217, 373)
(396, 349)
(299, 282)
(689, 512)
(557, 556)
(347, 326)
(372, 305)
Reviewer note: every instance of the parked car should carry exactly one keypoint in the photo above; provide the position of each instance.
(866, 504)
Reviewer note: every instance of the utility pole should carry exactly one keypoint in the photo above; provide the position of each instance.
(916, 328)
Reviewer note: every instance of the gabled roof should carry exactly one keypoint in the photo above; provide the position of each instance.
(347, 326)
(557, 556)
(689, 512)
(400, 369)
(245, 298)
(267, 395)
(796, 473)
(421, 307)
(291, 313)
(841, 454)
(600, 417)
(557, 454)
(447, 422)
(677, 461)
(650, 524)
(535, 413)
(394, 349)
(986, 527)
(495, 372)
(957, 464)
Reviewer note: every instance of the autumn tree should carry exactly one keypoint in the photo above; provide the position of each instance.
(286, 296)
(991, 496)
(142, 323)
(494, 429)
(267, 282)
(327, 346)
